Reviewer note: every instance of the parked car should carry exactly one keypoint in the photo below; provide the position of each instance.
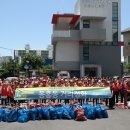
(127, 77)
(63, 74)
(11, 78)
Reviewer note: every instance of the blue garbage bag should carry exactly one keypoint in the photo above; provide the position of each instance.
(34, 114)
(72, 113)
(1, 113)
(39, 110)
(22, 119)
(12, 116)
(65, 114)
(104, 112)
(20, 112)
(27, 111)
(98, 110)
(5, 115)
(23, 115)
(86, 106)
(53, 113)
(59, 112)
(91, 113)
(46, 113)
(24, 111)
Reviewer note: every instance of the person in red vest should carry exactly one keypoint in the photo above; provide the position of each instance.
(127, 93)
(122, 90)
(0, 86)
(11, 92)
(4, 94)
(116, 85)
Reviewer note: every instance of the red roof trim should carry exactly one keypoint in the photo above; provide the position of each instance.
(57, 16)
(121, 43)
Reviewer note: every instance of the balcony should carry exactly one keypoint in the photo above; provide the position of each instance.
(93, 34)
(65, 35)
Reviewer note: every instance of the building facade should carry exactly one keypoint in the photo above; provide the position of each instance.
(126, 37)
(50, 50)
(87, 43)
(19, 54)
(4, 59)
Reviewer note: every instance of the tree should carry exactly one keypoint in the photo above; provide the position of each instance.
(128, 67)
(34, 62)
(9, 69)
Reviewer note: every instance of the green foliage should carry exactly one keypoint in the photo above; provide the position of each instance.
(47, 69)
(128, 67)
(34, 62)
(7, 69)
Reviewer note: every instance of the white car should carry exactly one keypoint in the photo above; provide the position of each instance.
(11, 78)
(63, 74)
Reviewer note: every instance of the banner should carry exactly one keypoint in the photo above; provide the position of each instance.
(62, 93)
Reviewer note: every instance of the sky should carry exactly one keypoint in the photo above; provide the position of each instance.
(29, 22)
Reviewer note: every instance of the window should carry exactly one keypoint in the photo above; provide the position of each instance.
(115, 23)
(86, 52)
(86, 23)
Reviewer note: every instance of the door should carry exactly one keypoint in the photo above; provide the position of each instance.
(91, 72)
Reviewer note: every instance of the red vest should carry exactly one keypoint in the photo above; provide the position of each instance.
(116, 87)
(4, 91)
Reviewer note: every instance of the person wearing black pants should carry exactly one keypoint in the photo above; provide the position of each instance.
(112, 99)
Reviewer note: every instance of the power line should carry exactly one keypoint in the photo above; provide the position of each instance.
(6, 48)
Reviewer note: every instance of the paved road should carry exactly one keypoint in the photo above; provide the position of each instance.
(118, 120)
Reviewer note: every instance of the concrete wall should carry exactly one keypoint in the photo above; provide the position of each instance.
(109, 57)
(102, 8)
(93, 34)
(67, 51)
(66, 65)
(126, 51)
(126, 37)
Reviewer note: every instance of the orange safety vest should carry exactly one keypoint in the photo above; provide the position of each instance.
(128, 86)
(10, 92)
(4, 91)
(116, 87)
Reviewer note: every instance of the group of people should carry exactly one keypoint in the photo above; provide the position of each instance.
(119, 87)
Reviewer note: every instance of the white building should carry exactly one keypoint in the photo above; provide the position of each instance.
(50, 50)
(87, 42)
(4, 59)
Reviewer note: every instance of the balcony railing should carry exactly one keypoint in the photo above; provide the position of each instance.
(96, 34)
(65, 35)
(61, 33)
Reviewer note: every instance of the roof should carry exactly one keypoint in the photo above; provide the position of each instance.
(126, 30)
(57, 16)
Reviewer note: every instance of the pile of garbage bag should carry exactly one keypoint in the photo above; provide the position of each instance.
(70, 112)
